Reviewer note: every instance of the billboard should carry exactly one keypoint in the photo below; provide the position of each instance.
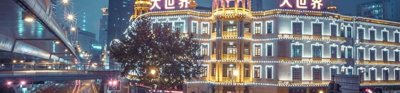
(162, 5)
(302, 4)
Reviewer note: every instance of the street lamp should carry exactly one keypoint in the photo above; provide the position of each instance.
(70, 17)
(23, 82)
(73, 29)
(57, 42)
(65, 2)
(152, 71)
(9, 83)
(29, 19)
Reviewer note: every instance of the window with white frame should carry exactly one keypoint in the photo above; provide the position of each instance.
(257, 71)
(360, 53)
(269, 49)
(349, 71)
(180, 26)
(205, 28)
(270, 27)
(316, 50)
(385, 54)
(269, 72)
(349, 52)
(227, 70)
(194, 26)
(205, 49)
(297, 50)
(385, 74)
(317, 28)
(372, 35)
(349, 31)
(333, 50)
(360, 33)
(297, 73)
(360, 72)
(397, 37)
(317, 72)
(372, 54)
(213, 69)
(385, 36)
(342, 33)
(297, 28)
(397, 74)
(396, 55)
(257, 49)
(257, 27)
(247, 70)
(334, 70)
(334, 29)
(343, 52)
(372, 74)
(204, 70)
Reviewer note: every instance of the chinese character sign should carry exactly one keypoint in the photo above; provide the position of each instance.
(161, 5)
(302, 4)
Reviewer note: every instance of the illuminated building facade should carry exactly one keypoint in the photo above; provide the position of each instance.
(292, 50)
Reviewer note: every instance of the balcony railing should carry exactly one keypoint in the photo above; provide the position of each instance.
(380, 82)
(213, 57)
(229, 57)
(312, 37)
(247, 57)
(247, 35)
(377, 62)
(384, 43)
(229, 34)
(334, 60)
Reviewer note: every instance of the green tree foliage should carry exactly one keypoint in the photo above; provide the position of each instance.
(158, 55)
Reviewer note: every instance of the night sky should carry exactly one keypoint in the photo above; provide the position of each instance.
(93, 13)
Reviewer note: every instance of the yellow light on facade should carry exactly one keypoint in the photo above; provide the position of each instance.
(320, 91)
(235, 73)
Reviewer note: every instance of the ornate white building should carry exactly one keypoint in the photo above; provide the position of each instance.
(283, 50)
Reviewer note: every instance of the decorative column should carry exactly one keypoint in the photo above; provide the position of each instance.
(240, 39)
(219, 41)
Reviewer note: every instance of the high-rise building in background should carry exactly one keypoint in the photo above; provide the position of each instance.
(120, 12)
(103, 27)
(380, 9)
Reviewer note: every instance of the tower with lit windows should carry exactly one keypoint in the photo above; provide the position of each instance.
(231, 47)
(141, 7)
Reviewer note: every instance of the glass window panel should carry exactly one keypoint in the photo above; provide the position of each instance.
(297, 74)
(317, 74)
(317, 29)
(334, 30)
(269, 27)
(269, 72)
(297, 28)
(257, 28)
(269, 50)
(257, 72)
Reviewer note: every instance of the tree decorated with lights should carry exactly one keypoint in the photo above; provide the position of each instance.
(157, 56)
